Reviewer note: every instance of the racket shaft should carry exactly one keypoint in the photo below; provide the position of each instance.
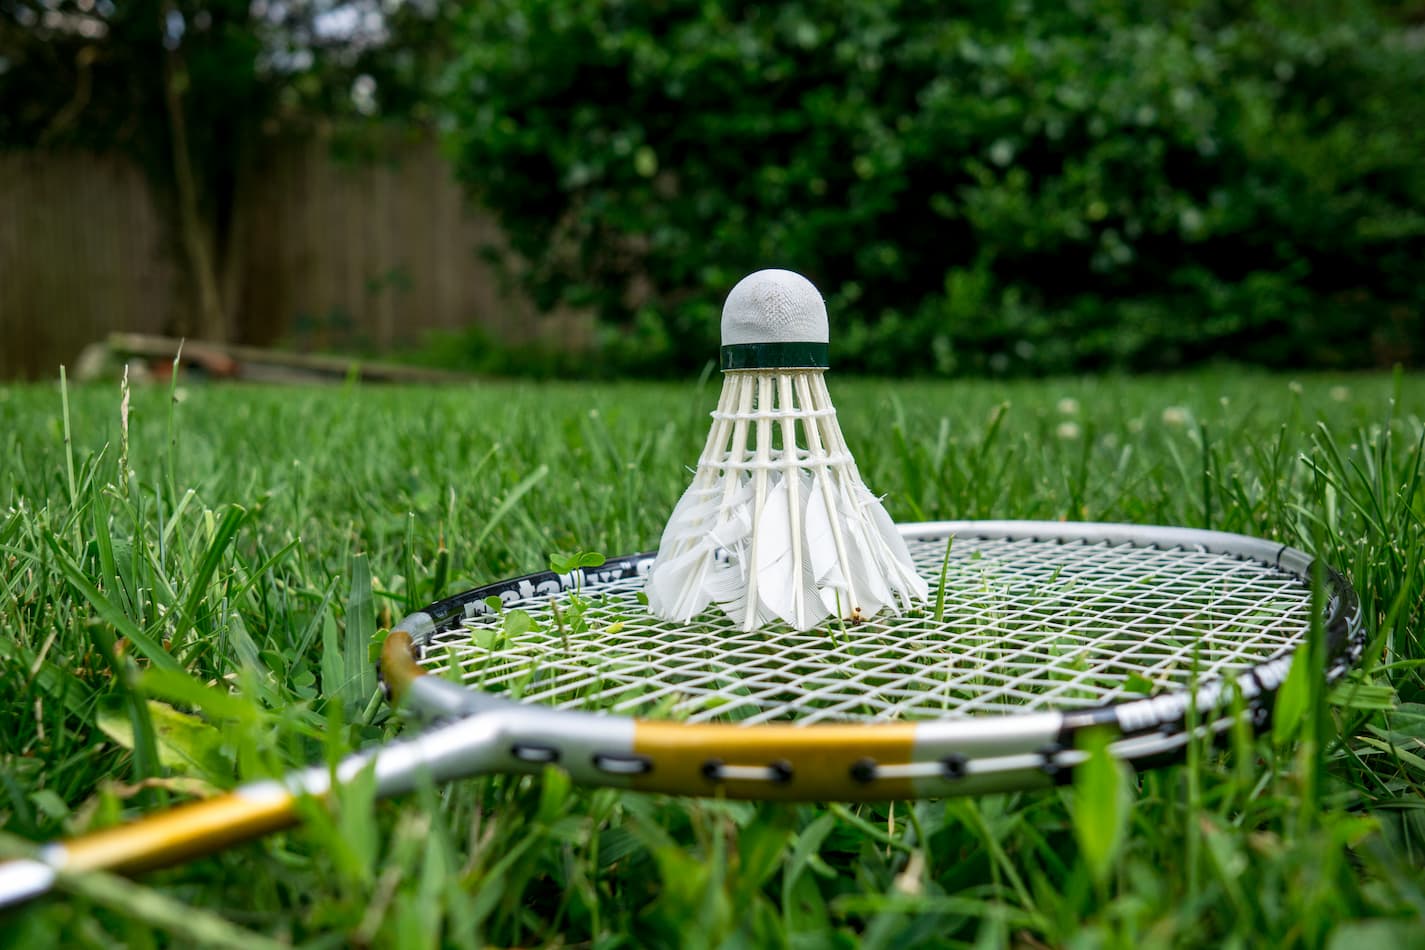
(250, 811)
(186, 832)
(161, 840)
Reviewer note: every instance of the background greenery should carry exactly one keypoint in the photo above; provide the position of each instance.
(263, 537)
(1006, 188)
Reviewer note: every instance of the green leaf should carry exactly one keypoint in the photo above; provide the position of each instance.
(493, 883)
(358, 678)
(760, 845)
(184, 689)
(1354, 934)
(553, 794)
(198, 582)
(356, 809)
(51, 804)
(509, 502)
(518, 622)
(1404, 756)
(1353, 694)
(186, 743)
(568, 563)
(110, 612)
(1102, 803)
(1138, 683)
(1291, 701)
(333, 670)
(804, 853)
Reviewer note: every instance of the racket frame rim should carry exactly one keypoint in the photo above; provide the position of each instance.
(941, 756)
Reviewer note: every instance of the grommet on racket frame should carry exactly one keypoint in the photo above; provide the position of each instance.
(1033, 633)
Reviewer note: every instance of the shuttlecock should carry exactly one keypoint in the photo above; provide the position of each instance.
(777, 523)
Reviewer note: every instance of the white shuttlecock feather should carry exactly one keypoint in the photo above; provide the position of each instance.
(777, 524)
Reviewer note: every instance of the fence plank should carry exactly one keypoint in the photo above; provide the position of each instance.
(82, 250)
(334, 253)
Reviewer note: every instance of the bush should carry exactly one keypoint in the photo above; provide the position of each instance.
(1027, 187)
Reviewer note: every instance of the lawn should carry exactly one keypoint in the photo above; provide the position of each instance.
(263, 536)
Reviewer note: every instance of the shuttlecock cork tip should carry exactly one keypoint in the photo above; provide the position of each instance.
(774, 319)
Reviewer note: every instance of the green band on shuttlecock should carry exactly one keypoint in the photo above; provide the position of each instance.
(776, 356)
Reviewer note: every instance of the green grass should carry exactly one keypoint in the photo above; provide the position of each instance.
(191, 603)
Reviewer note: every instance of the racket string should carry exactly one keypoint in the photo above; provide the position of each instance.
(1025, 625)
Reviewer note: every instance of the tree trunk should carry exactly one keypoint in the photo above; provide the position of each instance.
(211, 322)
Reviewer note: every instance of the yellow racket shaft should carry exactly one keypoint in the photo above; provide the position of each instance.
(175, 836)
(248, 812)
(186, 832)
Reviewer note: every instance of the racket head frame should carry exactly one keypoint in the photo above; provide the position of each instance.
(864, 761)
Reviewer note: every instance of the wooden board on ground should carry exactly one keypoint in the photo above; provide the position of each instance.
(250, 363)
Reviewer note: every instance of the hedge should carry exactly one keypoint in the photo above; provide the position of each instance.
(1026, 187)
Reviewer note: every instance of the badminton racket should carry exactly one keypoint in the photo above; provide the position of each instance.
(1033, 633)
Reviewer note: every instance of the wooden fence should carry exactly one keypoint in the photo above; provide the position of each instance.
(325, 253)
(82, 251)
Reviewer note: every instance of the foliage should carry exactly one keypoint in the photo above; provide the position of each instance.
(187, 87)
(189, 578)
(90, 73)
(477, 351)
(1033, 186)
